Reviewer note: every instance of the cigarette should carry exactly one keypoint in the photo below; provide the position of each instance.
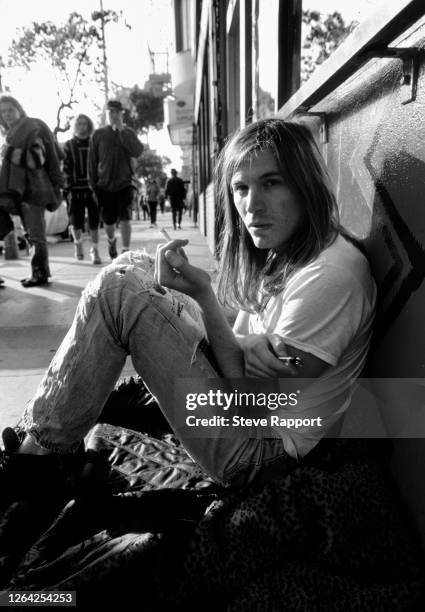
(165, 234)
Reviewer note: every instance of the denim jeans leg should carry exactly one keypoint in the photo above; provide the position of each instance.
(115, 311)
(78, 382)
(165, 337)
(121, 313)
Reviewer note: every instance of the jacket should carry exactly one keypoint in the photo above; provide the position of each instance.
(110, 154)
(152, 191)
(30, 170)
(175, 189)
(75, 164)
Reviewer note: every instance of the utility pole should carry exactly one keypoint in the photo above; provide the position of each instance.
(105, 60)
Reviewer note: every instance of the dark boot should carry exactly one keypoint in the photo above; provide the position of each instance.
(23, 476)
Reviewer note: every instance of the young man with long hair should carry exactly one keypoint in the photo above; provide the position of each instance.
(304, 291)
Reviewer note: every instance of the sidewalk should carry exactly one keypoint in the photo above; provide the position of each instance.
(34, 321)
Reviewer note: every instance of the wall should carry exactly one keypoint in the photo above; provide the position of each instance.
(376, 156)
(210, 217)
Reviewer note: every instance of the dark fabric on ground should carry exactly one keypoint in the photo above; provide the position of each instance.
(330, 535)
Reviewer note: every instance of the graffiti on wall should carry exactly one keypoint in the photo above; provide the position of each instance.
(377, 157)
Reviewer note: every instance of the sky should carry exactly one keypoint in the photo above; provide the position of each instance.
(129, 62)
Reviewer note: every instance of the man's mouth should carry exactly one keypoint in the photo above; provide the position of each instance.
(259, 225)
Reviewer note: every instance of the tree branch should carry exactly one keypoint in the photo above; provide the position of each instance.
(62, 106)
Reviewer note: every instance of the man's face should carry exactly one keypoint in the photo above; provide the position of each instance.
(82, 128)
(9, 113)
(115, 116)
(268, 207)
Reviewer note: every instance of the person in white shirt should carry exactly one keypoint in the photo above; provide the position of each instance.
(304, 291)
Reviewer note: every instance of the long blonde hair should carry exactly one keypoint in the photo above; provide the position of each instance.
(244, 268)
(4, 99)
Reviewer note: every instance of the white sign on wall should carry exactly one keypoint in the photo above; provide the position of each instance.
(179, 110)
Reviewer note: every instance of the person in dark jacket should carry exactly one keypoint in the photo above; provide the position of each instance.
(79, 195)
(176, 193)
(30, 180)
(111, 172)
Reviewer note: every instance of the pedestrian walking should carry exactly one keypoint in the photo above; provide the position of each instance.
(176, 193)
(78, 194)
(152, 193)
(30, 180)
(111, 174)
(136, 198)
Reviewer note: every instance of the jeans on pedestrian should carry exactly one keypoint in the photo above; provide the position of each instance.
(35, 226)
(152, 210)
(177, 211)
(124, 312)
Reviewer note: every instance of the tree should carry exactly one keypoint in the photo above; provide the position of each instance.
(152, 164)
(323, 36)
(143, 109)
(72, 49)
(266, 104)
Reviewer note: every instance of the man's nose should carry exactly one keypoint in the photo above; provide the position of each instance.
(254, 201)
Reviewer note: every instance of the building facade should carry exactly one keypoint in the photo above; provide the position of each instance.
(365, 106)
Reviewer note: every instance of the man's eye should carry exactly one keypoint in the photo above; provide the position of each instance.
(270, 183)
(240, 189)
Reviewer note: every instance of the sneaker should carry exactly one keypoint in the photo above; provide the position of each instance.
(125, 250)
(78, 250)
(34, 282)
(112, 248)
(12, 439)
(94, 256)
(23, 476)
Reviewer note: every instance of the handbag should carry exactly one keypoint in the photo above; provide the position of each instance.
(56, 221)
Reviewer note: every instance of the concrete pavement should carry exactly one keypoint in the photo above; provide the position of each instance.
(34, 321)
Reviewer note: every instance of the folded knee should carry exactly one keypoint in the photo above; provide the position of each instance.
(133, 270)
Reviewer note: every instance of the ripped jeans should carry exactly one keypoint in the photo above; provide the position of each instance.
(122, 312)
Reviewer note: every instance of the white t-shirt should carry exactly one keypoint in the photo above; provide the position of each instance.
(326, 309)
